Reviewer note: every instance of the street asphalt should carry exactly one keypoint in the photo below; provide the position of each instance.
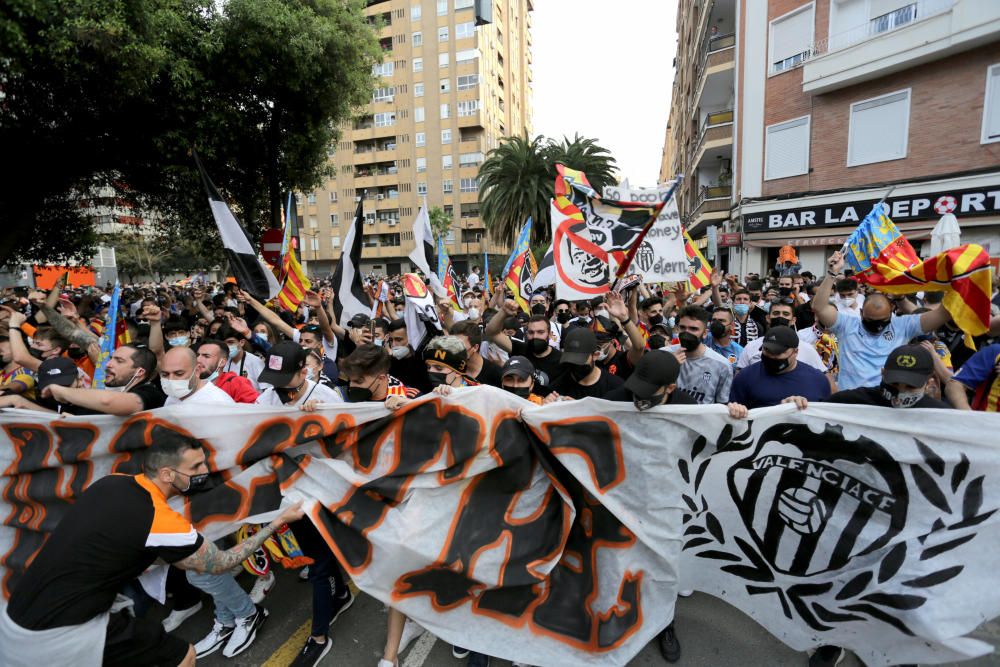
(712, 634)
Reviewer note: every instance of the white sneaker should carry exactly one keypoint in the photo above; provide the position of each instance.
(304, 574)
(244, 633)
(178, 616)
(261, 587)
(213, 641)
(387, 663)
(686, 593)
(411, 630)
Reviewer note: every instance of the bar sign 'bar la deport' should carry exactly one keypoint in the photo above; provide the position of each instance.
(962, 203)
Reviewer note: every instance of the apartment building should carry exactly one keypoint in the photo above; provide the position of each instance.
(455, 78)
(839, 103)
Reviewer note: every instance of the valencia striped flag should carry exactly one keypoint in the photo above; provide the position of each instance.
(699, 270)
(294, 284)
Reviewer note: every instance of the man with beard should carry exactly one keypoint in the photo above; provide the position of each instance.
(535, 346)
(704, 374)
(583, 377)
(481, 370)
(212, 357)
(778, 374)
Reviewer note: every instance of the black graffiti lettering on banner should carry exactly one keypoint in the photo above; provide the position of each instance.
(275, 436)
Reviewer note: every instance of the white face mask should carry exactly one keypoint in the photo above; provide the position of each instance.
(468, 302)
(310, 374)
(401, 352)
(176, 388)
(473, 313)
(378, 341)
(179, 341)
(262, 335)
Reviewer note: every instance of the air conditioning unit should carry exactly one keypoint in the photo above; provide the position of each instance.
(393, 223)
(381, 197)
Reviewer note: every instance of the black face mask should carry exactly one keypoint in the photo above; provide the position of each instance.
(285, 393)
(523, 392)
(875, 327)
(537, 345)
(755, 297)
(538, 309)
(785, 291)
(780, 322)
(358, 394)
(37, 354)
(655, 319)
(718, 330)
(688, 341)
(195, 483)
(76, 353)
(437, 379)
(579, 371)
(642, 404)
(656, 341)
(774, 366)
(563, 316)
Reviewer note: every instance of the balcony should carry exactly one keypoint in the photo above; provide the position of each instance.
(472, 120)
(712, 204)
(917, 33)
(715, 73)
(715, 137)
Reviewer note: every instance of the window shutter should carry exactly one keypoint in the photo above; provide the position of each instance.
(991, 105)
(787, 149)
(878, 129)
(791, 35)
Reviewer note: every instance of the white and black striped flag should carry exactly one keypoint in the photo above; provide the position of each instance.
(250, 272)
(546, 271)
(350, 297)
(422, 254)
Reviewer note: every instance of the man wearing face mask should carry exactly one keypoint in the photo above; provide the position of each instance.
(650, 313)
(865, 342)
(128, 386)
(720, 331)
(238, 360)
(582, 376)
(535, 346)
(405, 364)
(286, 372)
(212, 357)
(367, 372)
(473, 305)
(446, 362)
(182, 384)
(654, 382)
(848, 299)
(176, 332)
(778, 374)
(481, 370)
(750, 320)
(518, 377)
(705, 374)
(781, 314)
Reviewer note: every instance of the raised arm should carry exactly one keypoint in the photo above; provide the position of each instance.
(934, 319)
(269, 315)
(153, 315)
(18, 349)
(618, 310)
(494, 328)
(313, 300)
(69, 329)
(826, 312)
(716, 279)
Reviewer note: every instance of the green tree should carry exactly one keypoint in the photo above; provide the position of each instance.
(117, 92)
(440, 222)
(517, 181)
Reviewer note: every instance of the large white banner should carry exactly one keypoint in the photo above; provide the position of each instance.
(559, 534)
(661, 256)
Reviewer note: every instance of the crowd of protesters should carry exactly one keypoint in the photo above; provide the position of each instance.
(744, 342)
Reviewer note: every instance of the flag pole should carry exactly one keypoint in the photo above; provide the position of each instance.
(635, 246)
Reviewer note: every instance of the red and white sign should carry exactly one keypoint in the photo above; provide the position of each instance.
(945, 205)
(270, 245)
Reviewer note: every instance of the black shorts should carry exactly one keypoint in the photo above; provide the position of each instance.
(141, 641)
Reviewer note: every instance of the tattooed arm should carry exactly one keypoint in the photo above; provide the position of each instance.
(212, 560)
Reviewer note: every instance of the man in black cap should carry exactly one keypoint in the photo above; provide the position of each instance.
(582, 376)
(653, 383)
(285, 371)
(59, 371)
(518, 377)
(778, 374)
(905, 375)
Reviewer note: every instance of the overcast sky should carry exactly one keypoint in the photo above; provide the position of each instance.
(625, 50)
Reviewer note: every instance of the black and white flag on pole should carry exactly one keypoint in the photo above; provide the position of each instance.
(422, 255)
(546, 271)
(250, 272)
(350, 297)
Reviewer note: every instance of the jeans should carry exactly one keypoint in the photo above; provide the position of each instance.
(231, 601)
(325, 575)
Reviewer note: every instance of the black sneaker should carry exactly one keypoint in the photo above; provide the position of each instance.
(478, 660)
(827, 656)
(459, 652)
(342, 603)
(312, 653)
(670, 646)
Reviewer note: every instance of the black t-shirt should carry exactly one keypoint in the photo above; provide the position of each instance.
(567, 386)
(412, 371)
(490, 374)
(677, 396)
(108, 537)
(151, 395)
(873, 396)
(549, 364)
(617, 364)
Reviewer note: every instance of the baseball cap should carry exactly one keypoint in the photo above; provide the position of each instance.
(909, 364)
(779, 339)
(283, 361)
(656, 368)
(58, 370)
(519, 366)
(578, 344)
(358, 321)
(604, 328)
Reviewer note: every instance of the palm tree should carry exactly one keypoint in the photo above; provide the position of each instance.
(517, 180)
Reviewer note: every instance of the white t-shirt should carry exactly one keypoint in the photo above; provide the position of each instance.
(807, 353)
(473, 280)
(328, 349)
(313, 392)
(207, 394)
(249, 367)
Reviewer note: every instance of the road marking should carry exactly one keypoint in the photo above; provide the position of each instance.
(420, 651)
(285, 654)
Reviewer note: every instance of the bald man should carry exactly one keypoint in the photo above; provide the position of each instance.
(865, 341)
(181, 383)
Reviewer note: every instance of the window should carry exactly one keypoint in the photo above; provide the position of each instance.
(446, 162)
(445, 136)
(468, 107)
(467, 81)
(449, 236)
(314, 242)
(786, 152)
(466, 55)
(469, 185)
(384, 94)
(312, 222)
(447, 187)
(418, 90)
(421, 164)
(464, 30)
(466, 159)
(442, 6)
(418, 115)
(421, 139)
(311, 198)
(333, 220)
(418, 64)
(385, 119)
(464, 4)
(791, 39)
(418, 39)
(991, 105)
(383, 69)
(421, 188)
(445, 85)
(335, 241)
(445, 111)
(333, 195)
(899, 16)
(443, 60)
(443, 33)
(879, 129)
(414, 12)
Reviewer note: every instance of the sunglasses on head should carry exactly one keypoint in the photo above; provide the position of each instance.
(783, 301)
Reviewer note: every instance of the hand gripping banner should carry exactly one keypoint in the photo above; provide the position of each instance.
(559, 534)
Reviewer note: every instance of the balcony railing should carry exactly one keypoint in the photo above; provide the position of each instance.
(717, 125)
(712, 199)
(880, 25)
